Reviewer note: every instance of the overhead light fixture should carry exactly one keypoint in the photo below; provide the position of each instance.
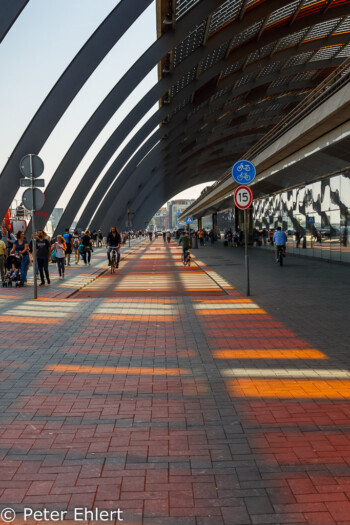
(166, 69)
(166, 101)
(168, 20)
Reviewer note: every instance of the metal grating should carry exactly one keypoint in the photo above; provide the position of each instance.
(325, 53)
(344, 26)
(244, 80)
(282, 13)
(345, 52)
(184, 81)
(213, 58)
(180, 106)
(221, 93)
(247, 34)
(292, 39)
(323, 29)
(234, 67)
(189, 45)
(271, 68)
(299, 59)
(182, 6)
(224, 14)
(299, 77)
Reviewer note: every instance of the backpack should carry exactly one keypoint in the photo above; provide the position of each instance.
(53, 255)
(76, 242)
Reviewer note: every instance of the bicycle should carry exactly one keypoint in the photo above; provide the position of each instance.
(280, 255)
(113, 260)
(187, 261)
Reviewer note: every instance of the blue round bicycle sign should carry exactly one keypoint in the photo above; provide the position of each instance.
(243, 172)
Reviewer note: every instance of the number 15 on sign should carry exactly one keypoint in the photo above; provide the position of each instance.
(243, 197)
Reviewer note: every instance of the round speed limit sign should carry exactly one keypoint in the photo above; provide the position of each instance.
(243, 197)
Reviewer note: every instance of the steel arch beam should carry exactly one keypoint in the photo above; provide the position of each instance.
(193, 160)
(194, 58)
(150, 164)
(186, 178)
(92, 128)
(150, 206)
(9, 12)
(123, 179)
(123, 192)
(64, 91)
(114, 100)
(216, 70)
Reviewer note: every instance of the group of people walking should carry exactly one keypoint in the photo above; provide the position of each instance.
(16, 252)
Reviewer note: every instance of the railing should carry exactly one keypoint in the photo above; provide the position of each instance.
(333, 83)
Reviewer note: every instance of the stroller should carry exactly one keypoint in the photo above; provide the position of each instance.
(13, 275)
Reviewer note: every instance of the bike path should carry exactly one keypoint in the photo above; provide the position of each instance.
(164, 392)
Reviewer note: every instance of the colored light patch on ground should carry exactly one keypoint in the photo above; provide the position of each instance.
(116, 370)
(269, 354)
(232, 311)
(134, 317)
(28, 320)
(289, 388)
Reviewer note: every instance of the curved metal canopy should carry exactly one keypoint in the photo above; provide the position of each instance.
(9, 12)
(304, 52)
(223, 66)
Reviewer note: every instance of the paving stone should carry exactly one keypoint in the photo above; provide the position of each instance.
(180, 401)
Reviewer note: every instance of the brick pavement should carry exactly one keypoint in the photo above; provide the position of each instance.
(164, 392)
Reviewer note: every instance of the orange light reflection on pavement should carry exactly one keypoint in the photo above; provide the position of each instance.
(232, 311)
(289, 388)
(28, 320)
(274, 353)
(135, 317)
(108, 370)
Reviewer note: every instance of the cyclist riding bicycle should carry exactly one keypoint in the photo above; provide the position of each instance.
(185, 241)
(113, 243)
(280, 240)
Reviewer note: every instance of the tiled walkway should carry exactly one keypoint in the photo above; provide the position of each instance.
(163, 392)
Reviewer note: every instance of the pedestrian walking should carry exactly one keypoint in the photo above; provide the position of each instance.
(68, 238)
(99, 238)
(60, 253)
(86, 241)
(21, 247)
(76, 244)
(3, 257)
(43, 253)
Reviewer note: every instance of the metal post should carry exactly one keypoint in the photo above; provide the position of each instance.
(33, 229)
(246, 252)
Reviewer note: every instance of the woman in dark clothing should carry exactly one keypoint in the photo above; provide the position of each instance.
(21, 247)
(86, 241)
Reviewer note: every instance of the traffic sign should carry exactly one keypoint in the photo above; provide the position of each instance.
(31, 165)
(243, 197)
(27, 183)
(243, 172)
(189, 220)
(33, 199)
(310, 220)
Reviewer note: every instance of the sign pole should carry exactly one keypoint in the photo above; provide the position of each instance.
(246, 253)
(33, 229)
(243, 172)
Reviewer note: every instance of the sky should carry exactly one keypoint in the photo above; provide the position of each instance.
(34, 54)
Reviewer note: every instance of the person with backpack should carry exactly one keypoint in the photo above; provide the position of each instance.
(76, 244)
(60, 253)
(185, 241)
